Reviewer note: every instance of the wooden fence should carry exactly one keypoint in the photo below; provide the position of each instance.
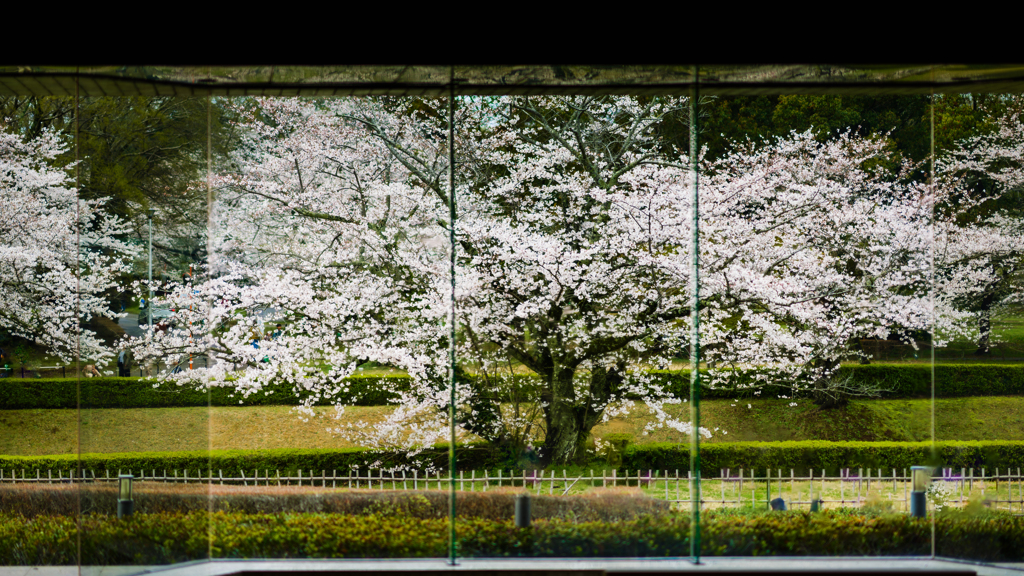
(999, 488)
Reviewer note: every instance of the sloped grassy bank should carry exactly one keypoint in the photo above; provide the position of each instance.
(61, 431)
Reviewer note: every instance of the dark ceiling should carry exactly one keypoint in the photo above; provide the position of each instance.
(427, 80)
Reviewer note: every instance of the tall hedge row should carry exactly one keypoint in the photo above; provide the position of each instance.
(757, 456)
(802, 456)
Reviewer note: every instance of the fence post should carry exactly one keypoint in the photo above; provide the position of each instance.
(906, 496)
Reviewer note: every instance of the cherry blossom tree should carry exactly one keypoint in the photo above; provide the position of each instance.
(985, 174)
(336, 219)
(572, 261)
(810, 248)
(58, 254)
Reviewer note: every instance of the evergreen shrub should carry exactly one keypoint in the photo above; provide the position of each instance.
(161, 538)
(817, 455)
(895, 381)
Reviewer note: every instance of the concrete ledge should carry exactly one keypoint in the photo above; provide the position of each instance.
(811, 566)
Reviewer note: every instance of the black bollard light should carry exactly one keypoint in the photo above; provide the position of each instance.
(523, 510)
(125, 504)
(778, 504)
(920, 477)
(816, 505)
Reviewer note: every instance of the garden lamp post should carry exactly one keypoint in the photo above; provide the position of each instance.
(125, 504)
(920, 477)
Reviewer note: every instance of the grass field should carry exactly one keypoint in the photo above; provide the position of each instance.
(30, 432)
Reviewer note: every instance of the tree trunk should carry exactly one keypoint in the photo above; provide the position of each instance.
(984, 326)
(829, 391)
(570, 419)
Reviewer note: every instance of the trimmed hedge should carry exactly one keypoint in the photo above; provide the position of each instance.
(235, 462)
(16, 393)
(759, 456)
(149, 539)
(821, 455)
(897, 381)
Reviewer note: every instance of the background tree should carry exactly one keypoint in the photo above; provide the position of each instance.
(58, 254)
(138, 153)
(985, 173)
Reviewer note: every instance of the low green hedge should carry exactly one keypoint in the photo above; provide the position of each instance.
(150, 539)
(819, 455)
(896, 380)
(235, 462)
(108, 392)
(758, 456)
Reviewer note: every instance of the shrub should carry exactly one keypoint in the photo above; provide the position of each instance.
(172, 537)
(896, 381)
(801, 456)
(159, 498)
(822, 455)
(236, 462)
(17, 393)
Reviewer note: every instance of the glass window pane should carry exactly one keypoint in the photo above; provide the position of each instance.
(974, 496)
(288, 388)
(40, 330)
